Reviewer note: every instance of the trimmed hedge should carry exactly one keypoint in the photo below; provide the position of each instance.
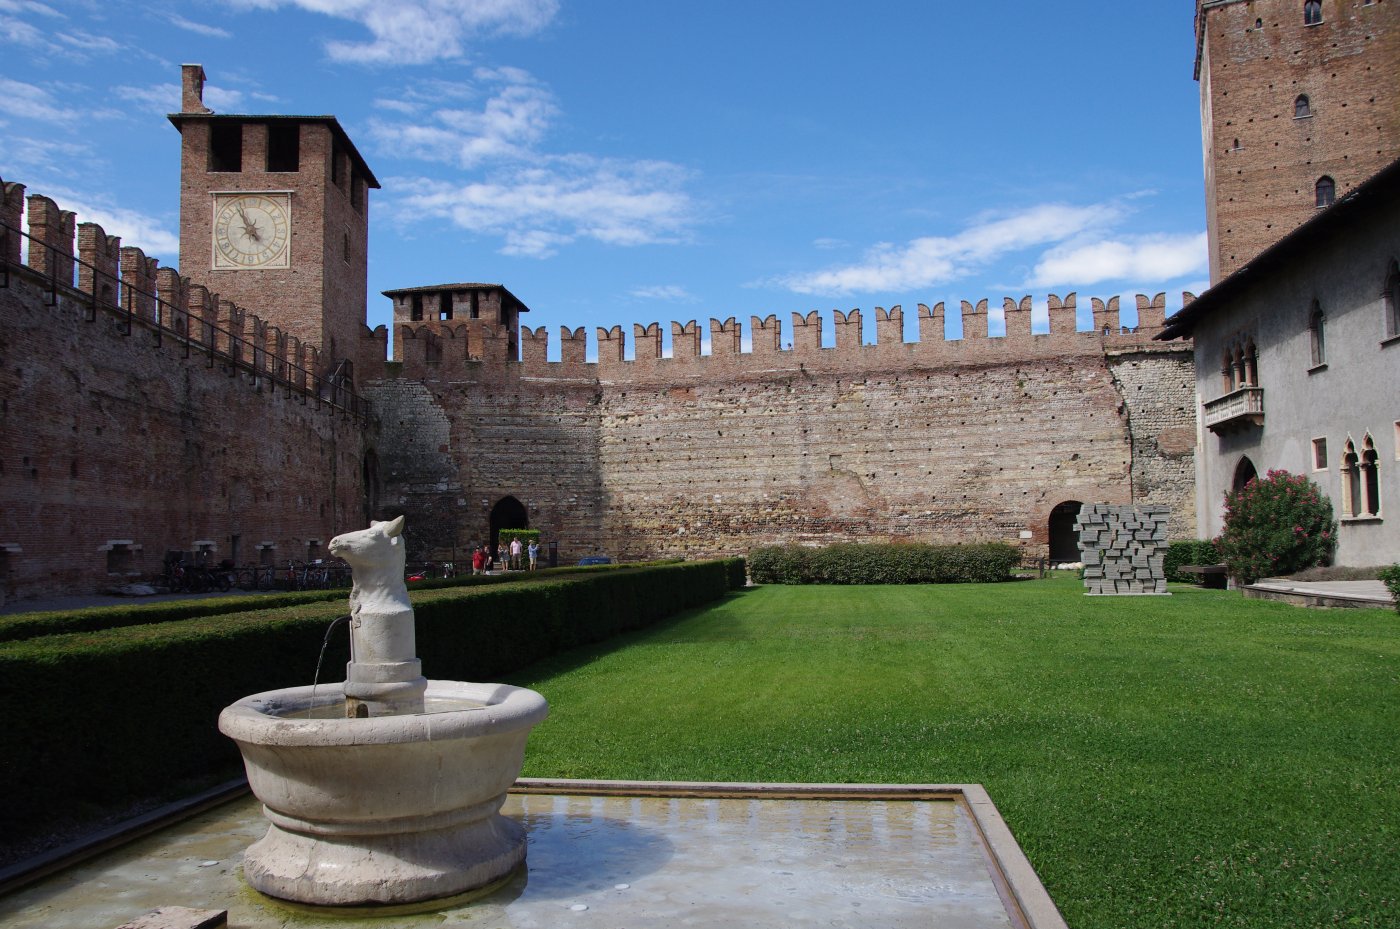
(851, 563)
(19, 626)
(103, 717)
(1188, 552)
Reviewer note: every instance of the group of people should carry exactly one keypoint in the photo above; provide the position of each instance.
(510, 557)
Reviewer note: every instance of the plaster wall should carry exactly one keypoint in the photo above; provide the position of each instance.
(1354, 394)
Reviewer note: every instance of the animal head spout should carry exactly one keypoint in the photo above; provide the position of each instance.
(381, 545)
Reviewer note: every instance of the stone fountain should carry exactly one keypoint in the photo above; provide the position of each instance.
(386, 789)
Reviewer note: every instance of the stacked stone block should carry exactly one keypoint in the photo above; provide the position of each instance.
(1123, 548)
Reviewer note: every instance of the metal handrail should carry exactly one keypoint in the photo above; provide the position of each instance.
(238, 353)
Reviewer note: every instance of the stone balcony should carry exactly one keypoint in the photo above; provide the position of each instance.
(1236, 410)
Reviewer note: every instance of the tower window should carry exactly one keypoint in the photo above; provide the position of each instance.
(226, 146)
(445, 305)
(346, 247)
(416, 309)
(1301, 107)
(283, 147)
(1312, 12)
(336, 157)
(1326, 191)
(357, 190)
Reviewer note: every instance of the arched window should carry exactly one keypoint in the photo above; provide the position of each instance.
(1251, 365)
(1301, 107)
(1244, 473)
(1370, 478)
(1312, 12)
(1227, 373)
(1317, 335)
(1351, 480)
(1391, 300)
(1326, 191)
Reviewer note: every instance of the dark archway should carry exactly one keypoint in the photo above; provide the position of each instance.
(508, 513)
(1064, 541)
(1244, 473)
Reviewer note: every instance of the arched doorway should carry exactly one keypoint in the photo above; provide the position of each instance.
(1244, 473)
(1064, 541)
(508, 513)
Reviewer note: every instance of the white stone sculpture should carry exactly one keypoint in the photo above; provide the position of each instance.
(400, 802)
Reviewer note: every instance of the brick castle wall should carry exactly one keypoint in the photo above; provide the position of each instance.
(109, 434)
(1262, 163)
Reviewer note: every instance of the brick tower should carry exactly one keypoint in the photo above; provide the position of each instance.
(274, 216)
(1299, 104)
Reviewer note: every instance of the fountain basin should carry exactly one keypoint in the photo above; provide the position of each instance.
(388, 809)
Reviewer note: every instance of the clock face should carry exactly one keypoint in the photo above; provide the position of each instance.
(252, 231)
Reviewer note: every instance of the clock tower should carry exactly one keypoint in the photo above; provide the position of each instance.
(274, 215)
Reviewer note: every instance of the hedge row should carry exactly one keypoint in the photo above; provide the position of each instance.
(103, 717)
(1390, 577)
(883, 564)
(1188, 552)
(19, 626)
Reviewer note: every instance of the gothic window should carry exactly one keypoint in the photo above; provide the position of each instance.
(1244, 473)
(1317, 335)
(1251, 365)
(1370, 478)
(1312, 12)
(1391, 299)
(1351, 480)
(1326, 191)
(1302, 107)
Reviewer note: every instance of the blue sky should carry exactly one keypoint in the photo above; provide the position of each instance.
(620, 161)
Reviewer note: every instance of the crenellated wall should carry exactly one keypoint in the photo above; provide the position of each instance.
(140, 413)
(941, 440)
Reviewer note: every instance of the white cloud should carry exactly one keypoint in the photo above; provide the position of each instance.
(938, 259)
(1150, 257)
(29, 102)
(165, 98)
(44, 157)
(189, 25)
(671, 293)
(419, 31)
(148, 233)
(536, 201)
(86, 41)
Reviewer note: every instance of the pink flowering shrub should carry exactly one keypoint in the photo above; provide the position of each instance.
(1277, 524)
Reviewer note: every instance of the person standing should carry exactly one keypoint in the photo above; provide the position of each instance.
(515, 549)
(479, 560)
(534, 551)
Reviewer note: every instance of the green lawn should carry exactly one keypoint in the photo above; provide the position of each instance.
(1194, 760)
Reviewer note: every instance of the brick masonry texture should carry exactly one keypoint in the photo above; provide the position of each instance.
(1262, 163)
(108, 435)
(1123, 549)
(696, 455)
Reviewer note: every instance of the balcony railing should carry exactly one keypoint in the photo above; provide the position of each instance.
(1236, 410)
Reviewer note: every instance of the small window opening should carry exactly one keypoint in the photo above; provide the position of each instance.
(226, 147)
(476, 304)
(345, 242)
(1319, 450)
(336, 158)
(1312, 12)
(266, 554)
(1302, 107)
(119, 559)
(283, 147)
(357, 188)
(1258, 24)
(1317, 335)
(313, 550)
(1326, 191)
(445, 306)
(416, 311)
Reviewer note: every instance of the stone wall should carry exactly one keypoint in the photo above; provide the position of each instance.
(976, 439)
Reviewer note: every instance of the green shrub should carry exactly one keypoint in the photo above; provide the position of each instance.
(851, 563)
(526, 536)
(113, 714)
(1276, 525)
(1391, 578)
(1188, 552)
